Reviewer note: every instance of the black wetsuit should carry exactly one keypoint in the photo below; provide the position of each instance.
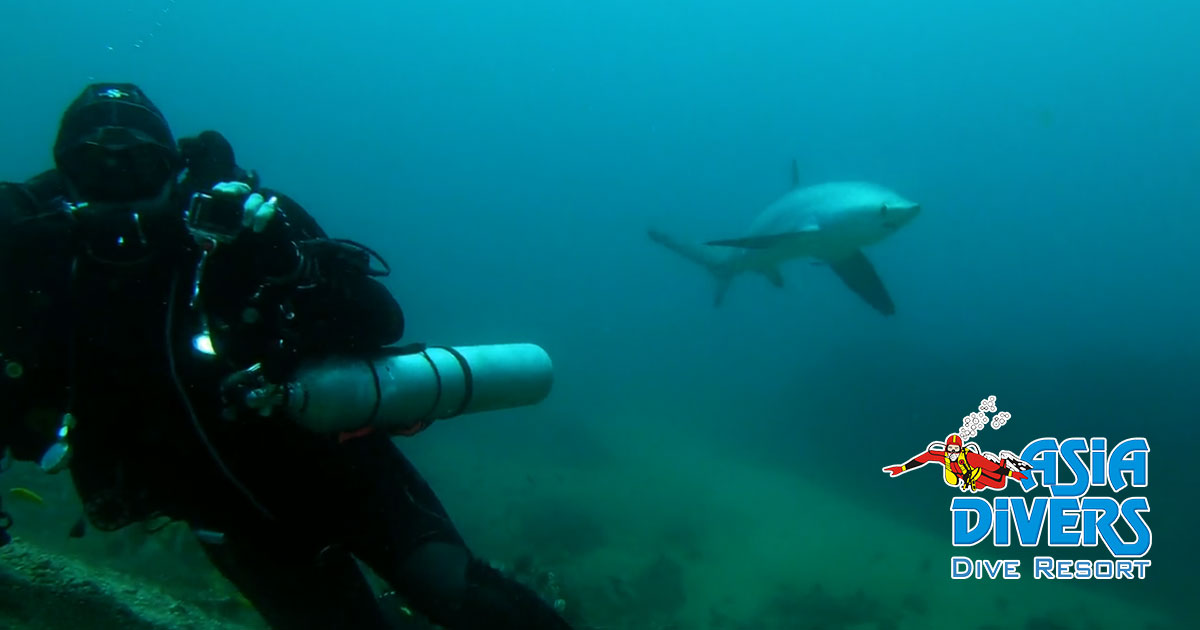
(106, 331)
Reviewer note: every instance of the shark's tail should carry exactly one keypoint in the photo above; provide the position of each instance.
(711, 259)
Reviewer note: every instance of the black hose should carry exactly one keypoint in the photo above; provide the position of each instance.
(187, 403)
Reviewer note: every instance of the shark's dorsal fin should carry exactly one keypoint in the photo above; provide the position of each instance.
(795, 173)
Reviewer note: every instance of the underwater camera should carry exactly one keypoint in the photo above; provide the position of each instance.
(218, 218)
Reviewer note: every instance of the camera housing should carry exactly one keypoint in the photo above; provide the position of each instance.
(214, 217)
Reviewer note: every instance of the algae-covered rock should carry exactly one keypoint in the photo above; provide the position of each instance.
(50, 592)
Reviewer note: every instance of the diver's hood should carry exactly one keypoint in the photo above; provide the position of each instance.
(114, 145)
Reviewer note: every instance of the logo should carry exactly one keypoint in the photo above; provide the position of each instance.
(1067, 518)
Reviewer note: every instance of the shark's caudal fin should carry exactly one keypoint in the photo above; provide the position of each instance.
(710, 259)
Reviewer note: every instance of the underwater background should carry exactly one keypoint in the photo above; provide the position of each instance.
(699, 467)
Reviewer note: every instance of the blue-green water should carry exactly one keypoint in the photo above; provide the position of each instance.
(507, 159)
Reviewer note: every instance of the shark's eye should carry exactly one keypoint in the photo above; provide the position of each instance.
(883, 209)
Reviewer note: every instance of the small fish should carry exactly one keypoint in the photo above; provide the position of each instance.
(209, 537)
(27, 495)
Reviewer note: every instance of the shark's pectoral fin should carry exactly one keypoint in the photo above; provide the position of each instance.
(774, 276)
(768, 241)
(859, 274)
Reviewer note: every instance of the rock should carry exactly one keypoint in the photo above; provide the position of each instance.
(49, 592)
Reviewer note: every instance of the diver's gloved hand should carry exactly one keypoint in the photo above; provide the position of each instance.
(257, 211)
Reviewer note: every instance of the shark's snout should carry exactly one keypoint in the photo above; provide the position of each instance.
(896, 214)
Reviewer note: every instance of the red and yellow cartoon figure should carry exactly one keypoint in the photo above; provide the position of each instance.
(964, 466)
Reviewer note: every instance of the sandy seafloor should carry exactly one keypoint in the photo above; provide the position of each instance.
(694, 540)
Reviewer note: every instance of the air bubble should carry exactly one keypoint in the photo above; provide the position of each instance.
(156, 24)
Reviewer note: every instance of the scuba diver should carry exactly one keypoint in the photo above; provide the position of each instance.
(141, 274)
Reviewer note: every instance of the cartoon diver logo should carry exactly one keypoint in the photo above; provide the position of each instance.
(965, 465)
(1068, 517)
